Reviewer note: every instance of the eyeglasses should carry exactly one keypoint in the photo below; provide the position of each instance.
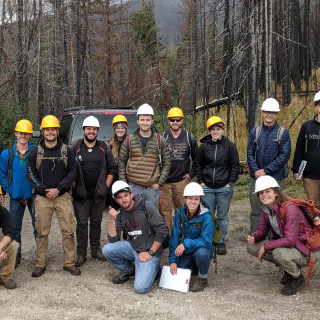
(175, 120)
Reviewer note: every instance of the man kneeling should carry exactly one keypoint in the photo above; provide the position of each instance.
(140, 255)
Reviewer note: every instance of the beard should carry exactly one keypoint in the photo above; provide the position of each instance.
(90, 139)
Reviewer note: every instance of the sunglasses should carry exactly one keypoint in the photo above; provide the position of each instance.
(175, 120)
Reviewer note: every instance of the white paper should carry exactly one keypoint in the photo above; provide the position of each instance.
(178, 282)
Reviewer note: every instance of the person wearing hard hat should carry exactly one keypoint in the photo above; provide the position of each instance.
(96, 170)
(140, 255)
(217, 170)
(51, 170)
(8, 250)
(144, 158)
(286, 245)
(268, 153)
(307, 149)
(183, 150)
(191, 238)
(13, 179)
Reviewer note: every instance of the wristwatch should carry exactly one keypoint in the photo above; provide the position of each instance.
(151, 253)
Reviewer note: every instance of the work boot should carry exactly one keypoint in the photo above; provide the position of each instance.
(9, 284)
(98, 255)
(221, 249)
(80, 260)
(286, 278)
(38, 271)
(293, 286)
(122, 277)
(199, 285)
(73, 270)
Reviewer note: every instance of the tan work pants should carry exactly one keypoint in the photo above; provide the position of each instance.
(62, 205)
(7, 265)
(312, 189)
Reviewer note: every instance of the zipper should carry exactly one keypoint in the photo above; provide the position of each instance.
(214, 168)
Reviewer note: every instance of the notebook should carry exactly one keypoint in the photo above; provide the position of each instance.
(178, 282)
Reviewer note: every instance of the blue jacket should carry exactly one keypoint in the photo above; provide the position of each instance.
(193, 238)
(271, 156)
(19, 187)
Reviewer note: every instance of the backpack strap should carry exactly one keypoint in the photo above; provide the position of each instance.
(64, 154)
(189, 139)
(40, 155)
(257, 136)
(182, 227)
(280, 132)
(128, 143)
(10, 161)
(144, 209)
(159, 148)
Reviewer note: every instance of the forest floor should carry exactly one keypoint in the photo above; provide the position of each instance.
(243, 288)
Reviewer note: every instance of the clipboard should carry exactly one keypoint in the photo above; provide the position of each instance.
(178, 282)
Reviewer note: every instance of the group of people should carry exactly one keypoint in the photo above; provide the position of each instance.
(133, 169)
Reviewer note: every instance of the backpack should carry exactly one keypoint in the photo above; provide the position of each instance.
(279, 137)
(189, 139)
(216, 236)
(310, 211)
(159, 146)
(40, 155)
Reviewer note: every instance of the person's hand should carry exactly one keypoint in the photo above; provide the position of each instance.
(144, 256)
(113, 213)
(173, 268)
(295, 176)
(179, 250)
(52, 193)
(250, 240)
(227, 185)
(186, 177)
(155, 186)
(261, 252)
(1, 199)
(202, 184)
(259, 173)
(3, 255)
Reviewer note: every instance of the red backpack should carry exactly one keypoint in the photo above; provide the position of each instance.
(312, 214)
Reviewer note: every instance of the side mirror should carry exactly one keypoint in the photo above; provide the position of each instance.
(36, 134)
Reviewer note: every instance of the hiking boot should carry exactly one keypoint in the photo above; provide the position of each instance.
(199, 285)
(73, 270)
(221, 249)
(98, 255)
(293, 286)
(17, 262)
(80, 260)
(9, 284)
(286, 278)
(122, 277)
(38, 271)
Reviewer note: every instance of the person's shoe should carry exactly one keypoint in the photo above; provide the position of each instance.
(73, 270)
(80, 260)
(9, 284)
(286, 278)
(122, 277)
(17, 262)
(38, 271)
(293, 286)
(98, 255)
(221, 249)
(199, 285)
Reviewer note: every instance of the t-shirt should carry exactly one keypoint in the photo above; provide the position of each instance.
(90, 161)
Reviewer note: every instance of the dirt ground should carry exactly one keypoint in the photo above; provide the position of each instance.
(243, 288)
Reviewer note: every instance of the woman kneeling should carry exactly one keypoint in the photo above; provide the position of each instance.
(287, 245)
(191, 238)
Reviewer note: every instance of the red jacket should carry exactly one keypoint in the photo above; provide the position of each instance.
(293, 236)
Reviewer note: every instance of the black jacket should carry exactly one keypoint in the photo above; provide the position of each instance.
(308, 148)
(217, 162)
(52, 173)
(107, 167)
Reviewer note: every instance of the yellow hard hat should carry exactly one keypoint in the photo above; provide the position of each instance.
(175, 113)
(119, 118)
(24, 126)
(215, 120)
(50, 122)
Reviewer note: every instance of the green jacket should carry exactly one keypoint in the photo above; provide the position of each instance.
(141, 165)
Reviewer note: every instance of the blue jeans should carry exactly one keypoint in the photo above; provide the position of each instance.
(150, 194)
(202, 257)
(219, 201)
(121, 255)
(16, 213)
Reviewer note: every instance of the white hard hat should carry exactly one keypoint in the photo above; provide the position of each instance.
(271, 105)
(120, 186)
(193, 189)
(265, 182)
(145, 109)
(316, 97)
(91, 121)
